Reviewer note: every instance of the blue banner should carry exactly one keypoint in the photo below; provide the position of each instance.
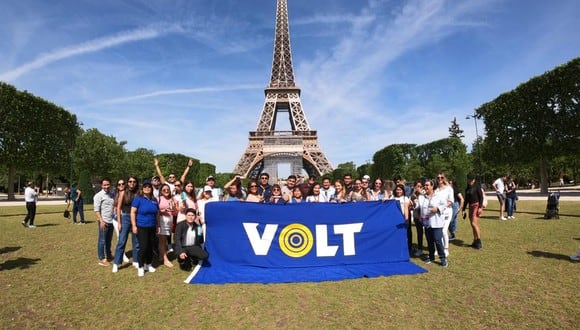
(306, 242)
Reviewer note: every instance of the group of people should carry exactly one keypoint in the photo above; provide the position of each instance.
(159, 209)
(152, 213)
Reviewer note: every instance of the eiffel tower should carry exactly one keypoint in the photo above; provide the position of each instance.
(268, 147)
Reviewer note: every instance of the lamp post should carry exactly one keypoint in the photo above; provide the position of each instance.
(478, 142)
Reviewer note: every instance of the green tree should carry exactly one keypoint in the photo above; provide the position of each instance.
(98, 154)
(536, 122)
(85, 185)
(455, 131)
(397, 159)
(342, 169)
(139, 163)
(35, 135)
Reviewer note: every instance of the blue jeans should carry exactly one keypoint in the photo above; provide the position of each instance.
(122, 242)
(511, 202)
(453, 224)
(78, 208)
(105, 238)
(435, 240)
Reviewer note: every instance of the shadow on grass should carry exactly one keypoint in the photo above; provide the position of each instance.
(48, 225)
(10, 249)
(20, 263)
(460, 243)
(544, 254)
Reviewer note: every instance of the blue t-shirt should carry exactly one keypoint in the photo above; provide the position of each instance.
(146, 211)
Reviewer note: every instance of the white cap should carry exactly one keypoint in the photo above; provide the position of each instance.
(207, 188)
(366, 177)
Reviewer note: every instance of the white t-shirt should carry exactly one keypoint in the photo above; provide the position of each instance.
(29, 195)
(499, 185)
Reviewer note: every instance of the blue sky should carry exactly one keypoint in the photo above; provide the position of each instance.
(189, 76)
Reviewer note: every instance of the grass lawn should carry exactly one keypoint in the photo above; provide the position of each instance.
(522, 279)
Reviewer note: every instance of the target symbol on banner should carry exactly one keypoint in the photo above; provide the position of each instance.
(296, 240)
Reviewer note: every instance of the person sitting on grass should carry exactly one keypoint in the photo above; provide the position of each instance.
(188, 241)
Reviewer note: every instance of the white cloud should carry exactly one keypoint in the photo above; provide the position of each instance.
(90, 47)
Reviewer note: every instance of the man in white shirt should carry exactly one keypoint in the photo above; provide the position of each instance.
(30, 197)
(104, 209)
(499, 186)
(326, 191)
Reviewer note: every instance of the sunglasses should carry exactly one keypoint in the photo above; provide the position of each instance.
(276, 189)
(132, 181)
(177, 185)
(440, 177)
(172, 176)
(253, 186)
(264, 178)
(120, 183)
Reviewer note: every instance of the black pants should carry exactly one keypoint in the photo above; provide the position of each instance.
(419, 227)
(31, 212)
(194, 254)
(146, 237)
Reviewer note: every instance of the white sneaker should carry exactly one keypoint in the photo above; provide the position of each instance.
(115, 268)
(125, 259)
(150, 268)
(140, 272)
(136, 264)
(31, 226)
(503, 218)
(575, 257)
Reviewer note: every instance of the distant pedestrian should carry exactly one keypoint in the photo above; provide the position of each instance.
(78, 204)
(30, 197)
(499, 186)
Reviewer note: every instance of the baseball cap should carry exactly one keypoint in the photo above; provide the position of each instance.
(211, 177)
(207, 188)
(146, 183)
(155, 178)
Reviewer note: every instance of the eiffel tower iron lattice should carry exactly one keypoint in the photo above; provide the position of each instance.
(268, 147)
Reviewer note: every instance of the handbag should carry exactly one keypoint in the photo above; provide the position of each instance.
(66, 214)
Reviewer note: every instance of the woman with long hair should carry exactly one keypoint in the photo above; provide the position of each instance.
(124, 202)
(276, 197)
(389, 189)
(117, 218)
(253, 194)
(187, 198)
(377, 193)
(314, 195)
(418, 191)
(297, 196)
(339, 192)
(444, 189)
(167, 209)
(144, 222)
(358, 193)
(474, 198)
(404, 203)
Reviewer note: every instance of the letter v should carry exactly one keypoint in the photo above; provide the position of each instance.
(261, 245)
